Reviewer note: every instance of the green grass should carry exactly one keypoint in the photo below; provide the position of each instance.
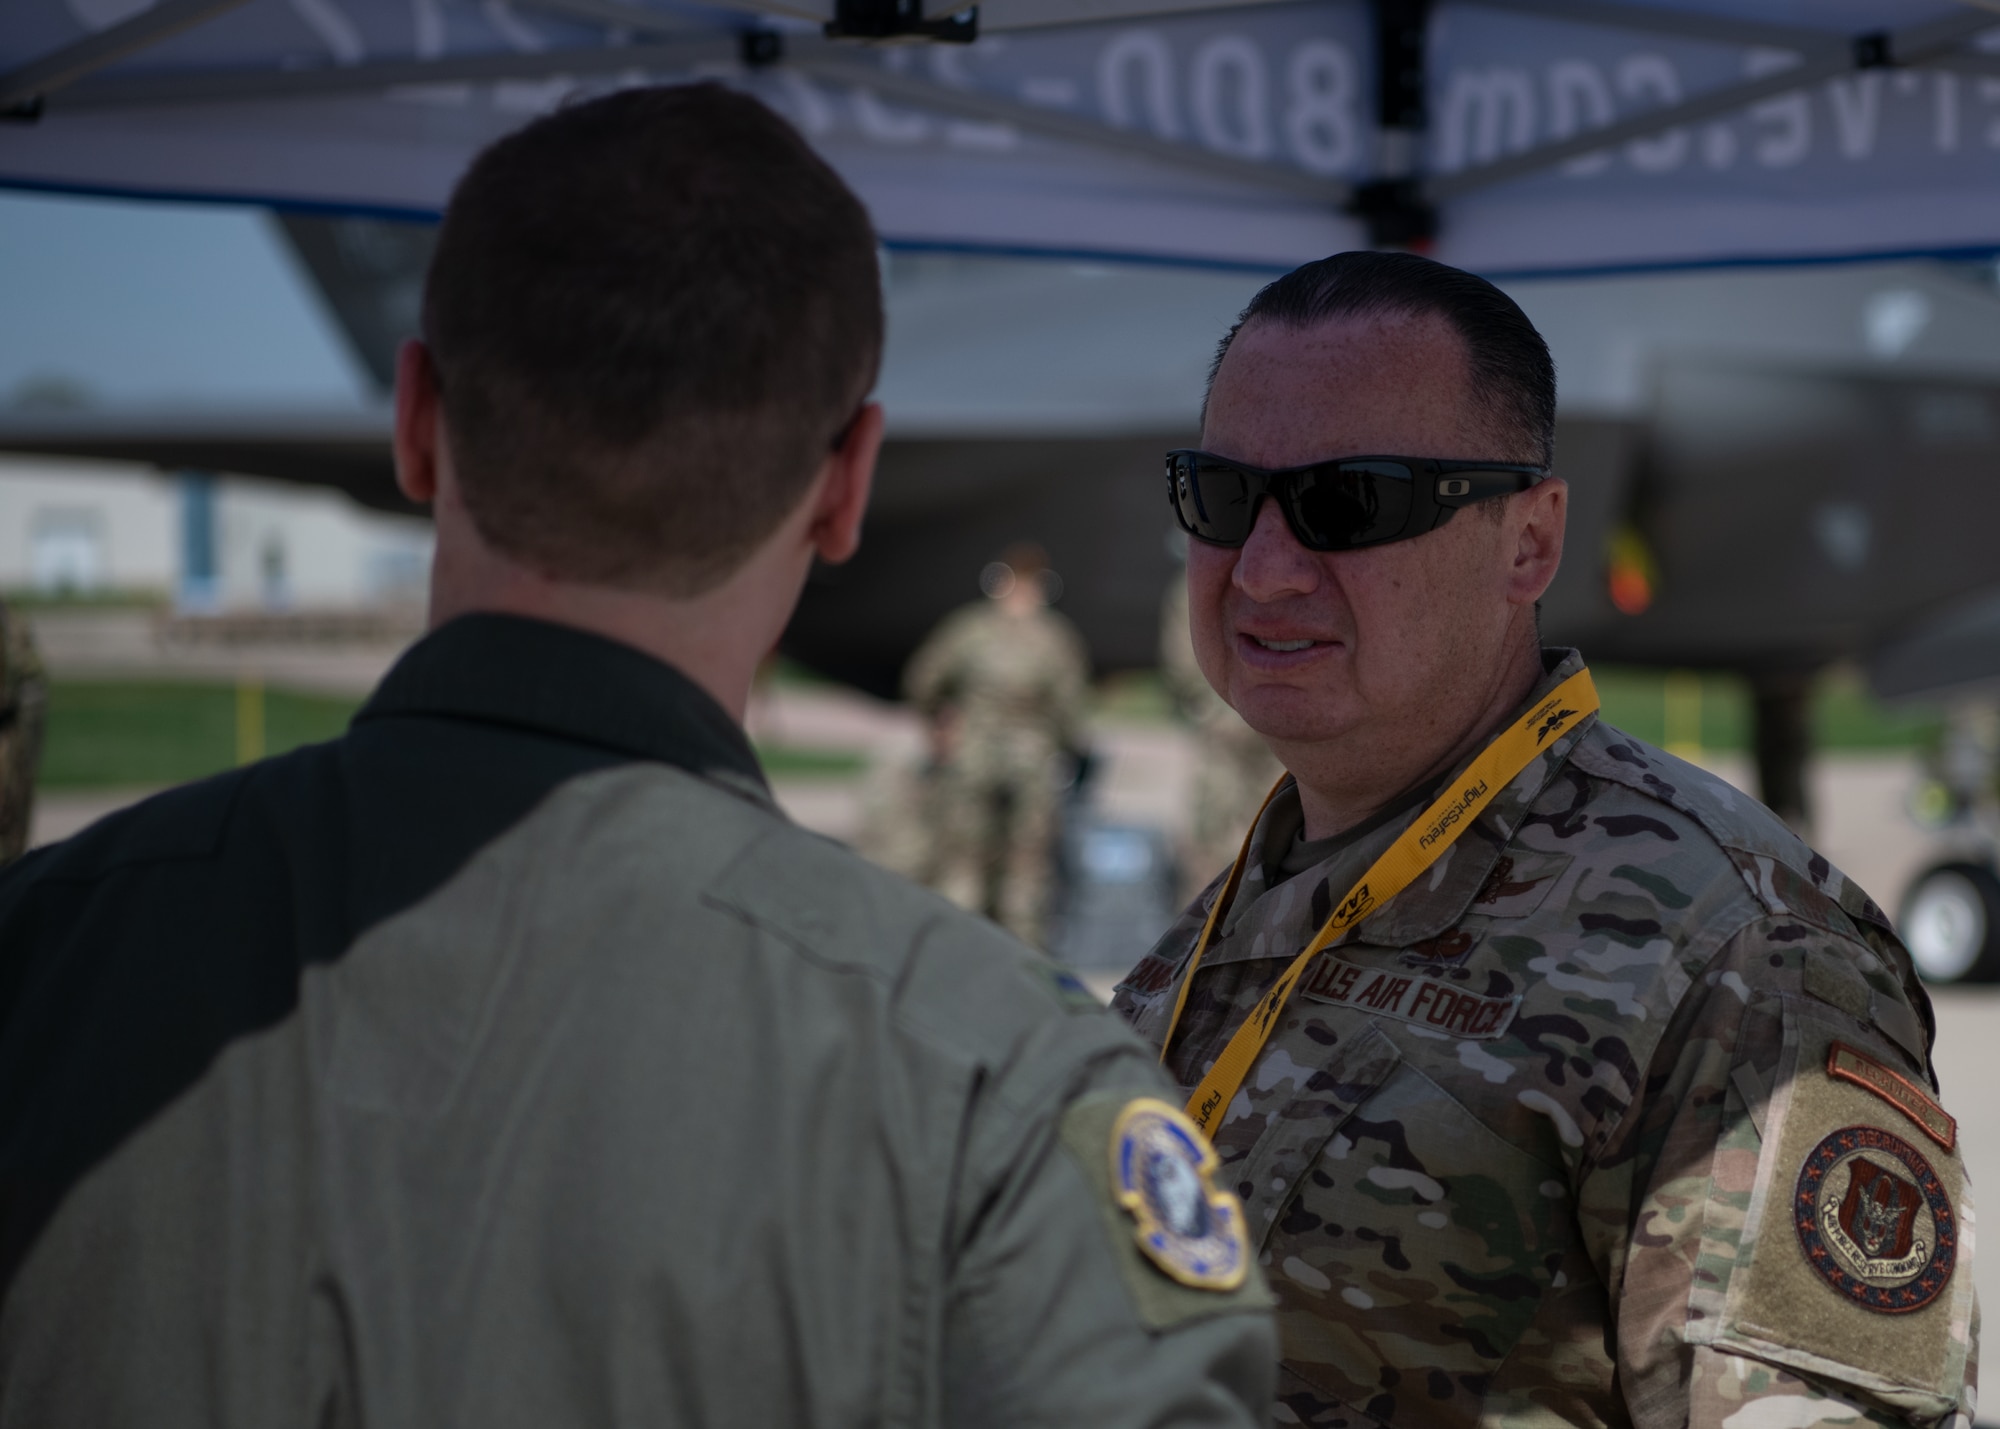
(1135, 696)
(108, 734)
(1711, 708)
(785, 761)
(111, 733)
(1636, 701)
(1845, 715)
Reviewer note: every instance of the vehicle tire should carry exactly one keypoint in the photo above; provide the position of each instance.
(1950, 922)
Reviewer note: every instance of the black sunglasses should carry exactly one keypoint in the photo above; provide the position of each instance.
(1334, 505)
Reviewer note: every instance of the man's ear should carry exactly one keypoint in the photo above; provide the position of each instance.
(418, 403)
(1538, 548)
(849, 476)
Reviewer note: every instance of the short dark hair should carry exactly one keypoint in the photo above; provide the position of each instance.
(652, 315)
(1511, 369)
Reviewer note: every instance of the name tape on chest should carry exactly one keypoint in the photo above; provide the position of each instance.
(1409, 997)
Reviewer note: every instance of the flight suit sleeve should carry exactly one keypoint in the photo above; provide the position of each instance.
(1055, 1314)
(1778, 1219)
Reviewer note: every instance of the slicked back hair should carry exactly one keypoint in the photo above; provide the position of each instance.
(1512, 373)
(652, 316)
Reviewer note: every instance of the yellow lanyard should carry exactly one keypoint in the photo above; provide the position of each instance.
(1420, 845)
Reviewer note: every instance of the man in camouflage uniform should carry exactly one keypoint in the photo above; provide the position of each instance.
(1233, 768)
(1620, 1112)
(1003, 684)
(23, 699)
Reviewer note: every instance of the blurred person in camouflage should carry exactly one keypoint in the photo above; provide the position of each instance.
(1233, 766)
(1003, 685)
(23, 703)
(1561, 1081)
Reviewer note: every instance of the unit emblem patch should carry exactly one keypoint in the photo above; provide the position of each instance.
(1161, 1169)
(1875, 1222)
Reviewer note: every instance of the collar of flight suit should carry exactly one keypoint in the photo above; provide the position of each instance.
(569, 684)
(1264, 918)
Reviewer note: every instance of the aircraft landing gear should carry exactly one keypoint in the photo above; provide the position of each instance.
(1951, 924)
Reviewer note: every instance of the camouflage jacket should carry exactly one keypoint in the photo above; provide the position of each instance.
(23, 701)
(1018, 684)
(1622, 1114)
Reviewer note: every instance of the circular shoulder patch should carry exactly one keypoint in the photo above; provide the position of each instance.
(1161, 1166)
(1875, 1221)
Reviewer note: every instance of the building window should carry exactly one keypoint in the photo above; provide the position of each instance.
(66, 551)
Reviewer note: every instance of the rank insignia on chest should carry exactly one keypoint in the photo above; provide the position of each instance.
(1433, 1002)
(1162, 1171)
(1875, 1221)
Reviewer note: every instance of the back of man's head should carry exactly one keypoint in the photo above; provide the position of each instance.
(651, 316)
(1509, 365)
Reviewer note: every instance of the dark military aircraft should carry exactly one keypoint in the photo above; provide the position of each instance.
(1770, 470)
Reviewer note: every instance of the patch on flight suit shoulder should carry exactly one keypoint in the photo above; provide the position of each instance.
(1833, 1251)
(1874, 1220)
(1848, 1065)
(1070, 990)
(1179, 1240)
(1162, 1171)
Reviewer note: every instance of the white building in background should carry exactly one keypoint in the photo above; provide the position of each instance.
(210, 543)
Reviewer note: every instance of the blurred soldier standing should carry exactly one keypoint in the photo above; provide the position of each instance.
(23, 707)
(1004, 685)
(1563, 1084)
(1233, 767)
(512, 1059)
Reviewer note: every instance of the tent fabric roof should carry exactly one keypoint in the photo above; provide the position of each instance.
(1562, 135)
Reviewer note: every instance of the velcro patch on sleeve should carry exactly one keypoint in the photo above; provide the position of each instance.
(1843, 1263)
(1409, 997)
(1845, 1064)
(1169, 1226)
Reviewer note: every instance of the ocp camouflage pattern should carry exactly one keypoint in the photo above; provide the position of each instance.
(23, 701)
(1012, 691)
(1585, 1219)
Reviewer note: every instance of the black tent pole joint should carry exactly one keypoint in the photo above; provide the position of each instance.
(762, 48)
(1874, 51)
(900, 20)
(1394, 204)
(1396, 211)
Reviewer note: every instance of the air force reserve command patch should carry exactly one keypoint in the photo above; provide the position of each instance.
(1874, 1220)
(1160, 1172)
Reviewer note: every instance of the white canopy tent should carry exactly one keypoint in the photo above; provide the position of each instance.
(1529, 136)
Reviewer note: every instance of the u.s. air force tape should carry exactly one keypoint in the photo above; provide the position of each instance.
(1416, 998)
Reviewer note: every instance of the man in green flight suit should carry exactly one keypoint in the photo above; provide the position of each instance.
(1561, 1082)
(512, 1059)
